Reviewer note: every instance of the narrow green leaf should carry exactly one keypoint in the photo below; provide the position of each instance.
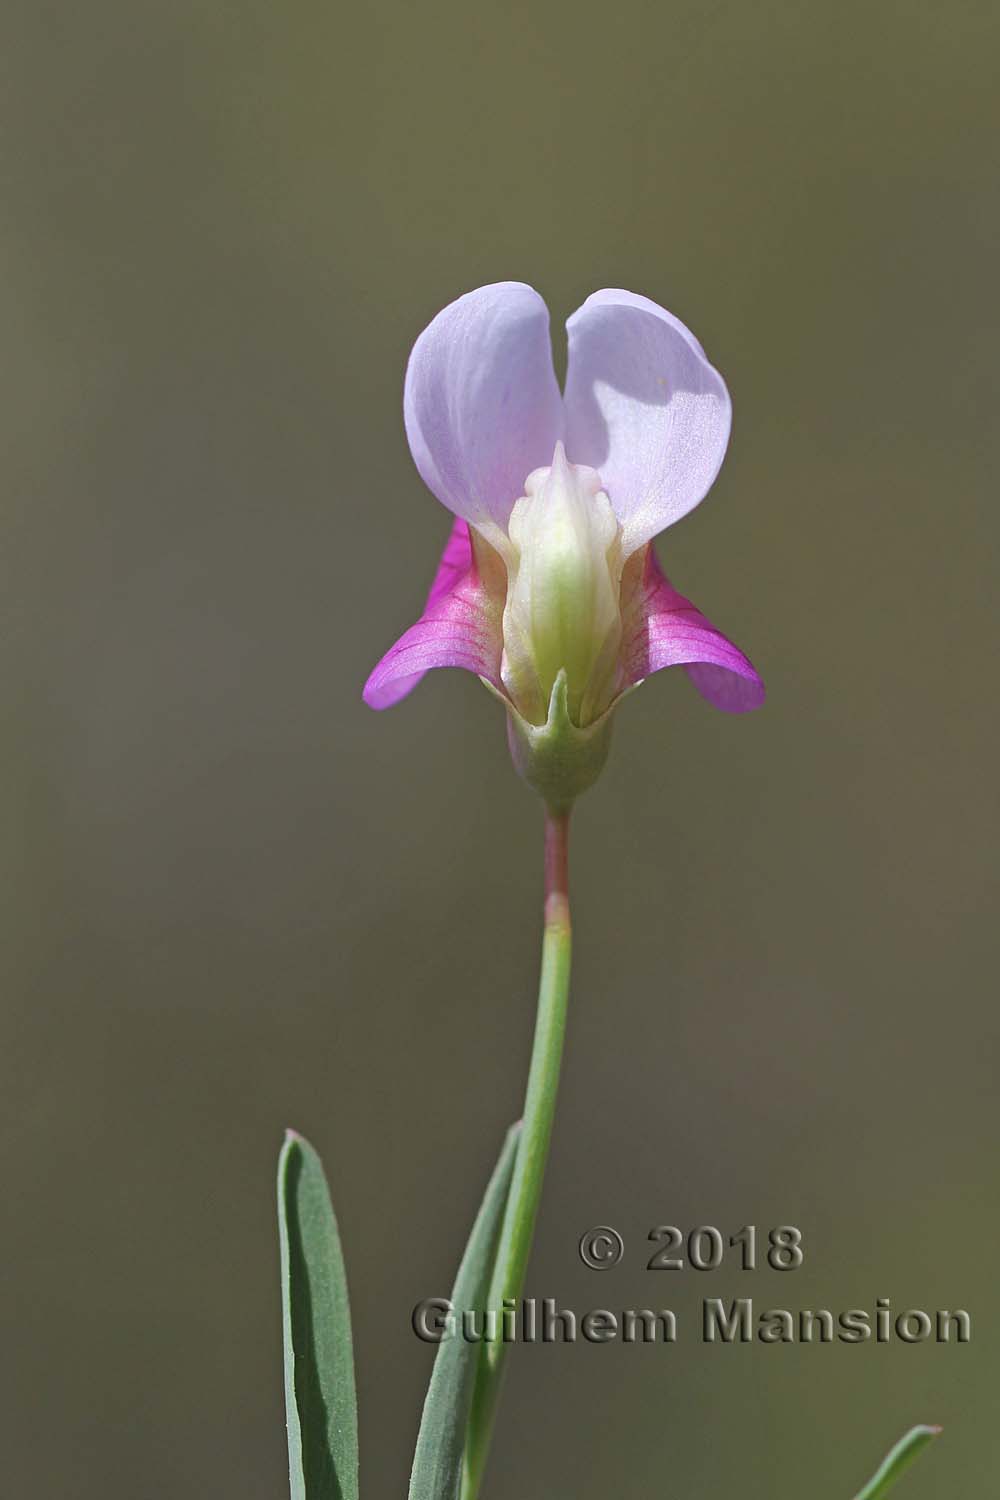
(320, 1400)
(896, 1461)
(437, 1462)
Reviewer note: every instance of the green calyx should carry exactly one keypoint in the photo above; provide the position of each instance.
(558, 759)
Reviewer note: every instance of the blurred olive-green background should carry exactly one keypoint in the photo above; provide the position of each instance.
(237, 900)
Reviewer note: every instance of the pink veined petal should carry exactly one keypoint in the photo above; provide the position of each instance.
(456, 560)
(481, 402)
(645, 408)
(460, 627)
(663, 629)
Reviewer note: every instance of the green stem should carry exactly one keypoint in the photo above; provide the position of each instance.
(521, 1211)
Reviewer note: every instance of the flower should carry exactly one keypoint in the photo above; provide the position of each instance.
(549, 588)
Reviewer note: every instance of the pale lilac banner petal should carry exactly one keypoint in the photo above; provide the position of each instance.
(645, 408)
(481, 403)
(663, 629)
(460, 627)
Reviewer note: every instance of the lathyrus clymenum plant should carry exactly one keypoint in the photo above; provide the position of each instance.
(549, 590)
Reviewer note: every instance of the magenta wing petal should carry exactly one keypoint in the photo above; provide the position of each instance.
(456, 560)
(481, 403)
(460, 627)
(645, 408)
(663, 629)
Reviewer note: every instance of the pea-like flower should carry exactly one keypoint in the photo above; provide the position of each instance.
(549, 588)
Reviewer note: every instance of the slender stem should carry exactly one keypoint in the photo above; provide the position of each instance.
(521, 1211)
(543, 1078)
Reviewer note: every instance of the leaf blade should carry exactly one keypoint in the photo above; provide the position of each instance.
(320, 1396)
(896, 1460)
(440, 1450)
